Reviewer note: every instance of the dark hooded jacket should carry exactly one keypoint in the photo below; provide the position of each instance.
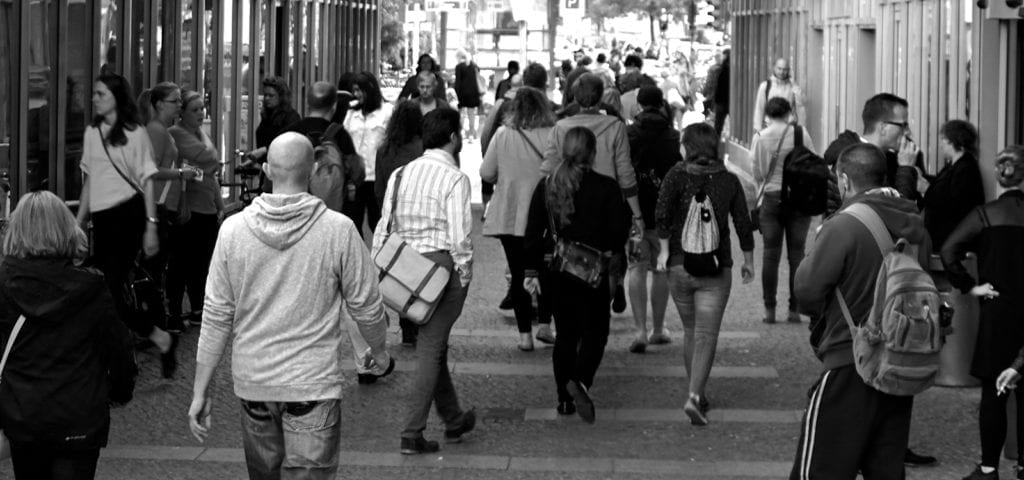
(846, 256)
(72, 358)
(903, 179)
(654, 149)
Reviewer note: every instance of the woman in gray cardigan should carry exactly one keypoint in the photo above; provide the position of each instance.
(513, 165)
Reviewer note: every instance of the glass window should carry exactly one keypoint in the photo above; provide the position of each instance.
(8, 32)
(187, 45)
(40, 77)
(79, 85)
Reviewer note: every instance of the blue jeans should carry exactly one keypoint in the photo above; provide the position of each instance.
(701, 303)
(432, 382)
(778, 221)
(291, 440)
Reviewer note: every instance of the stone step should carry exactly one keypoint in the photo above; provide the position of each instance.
(538, 369)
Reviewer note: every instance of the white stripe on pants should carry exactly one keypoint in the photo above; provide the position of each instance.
(810, 428)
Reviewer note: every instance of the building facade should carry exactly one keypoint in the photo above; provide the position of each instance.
(949, 59)
(52, 50)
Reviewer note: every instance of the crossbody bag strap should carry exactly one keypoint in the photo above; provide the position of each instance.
(10, 343)
(394, 198)
(771, 168)
(530, 143)
(551, 216)
(114, 164)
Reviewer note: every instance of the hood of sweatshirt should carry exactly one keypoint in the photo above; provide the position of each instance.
(280, 221)
(651, 122)
(900, 215)
(50, 290)
(694, 168)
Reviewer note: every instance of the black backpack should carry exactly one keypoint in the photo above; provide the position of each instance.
(804, 178)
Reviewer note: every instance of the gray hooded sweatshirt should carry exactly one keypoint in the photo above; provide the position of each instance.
(281, 271)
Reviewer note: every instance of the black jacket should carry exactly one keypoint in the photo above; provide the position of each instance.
(654, 149)
(952, 194)
(903, 179)
(72, 358)
(273, 125)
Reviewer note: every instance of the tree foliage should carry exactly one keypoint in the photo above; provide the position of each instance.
(601, 9)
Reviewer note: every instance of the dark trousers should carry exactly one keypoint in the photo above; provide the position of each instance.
(780, 222)
(992, 423)
(582, 318)
(117, 241)
(363, 207)
(521, 303)
(34, 462)
(189, 261)
(432, 382)
(850, 427)
(721, 112)
(156, 266)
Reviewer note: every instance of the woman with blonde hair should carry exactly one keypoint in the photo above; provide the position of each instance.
(189, 262)
(575, 205)
(70, 356)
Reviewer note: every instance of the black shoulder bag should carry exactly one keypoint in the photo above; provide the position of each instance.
(578, 260)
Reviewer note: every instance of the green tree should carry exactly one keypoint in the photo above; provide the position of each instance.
(598, 10)
(392, 33)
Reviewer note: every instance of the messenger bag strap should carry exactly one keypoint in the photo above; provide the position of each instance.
(530, 143)
(10, 343)
(771, 168)
(114, 164)
(394, 198)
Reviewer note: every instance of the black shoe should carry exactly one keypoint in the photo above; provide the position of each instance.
(416, 446)
(468, 423)
(584, 404)
(506, 303)
(619, 302)
(168, 362)
(978, 475)
(912, 459)
(370, 378)
(566, 408)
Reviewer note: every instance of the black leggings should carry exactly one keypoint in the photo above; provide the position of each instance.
(521, 302)
(992, 423)
(117, 240)
(189, 261)
(363, 207)
(34, 462)
(582, 318)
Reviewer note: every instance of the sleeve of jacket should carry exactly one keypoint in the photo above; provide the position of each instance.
(408, 89)
(906, 183)
(957, 245)
(820, 271)
(668, 202)
(759, 107)
(536, 232)
(489, 167)
(619, 219)
(552, 155)
(219, 303)
(624, 164)
(1018, 363)
(118, 350)
(360, 290)
(460, 225)
(741, 215)
(490, 128)
(759, 166)
(835, 200)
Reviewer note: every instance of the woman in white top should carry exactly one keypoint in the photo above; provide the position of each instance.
(777, 219)
(117, 192)
(366, 123)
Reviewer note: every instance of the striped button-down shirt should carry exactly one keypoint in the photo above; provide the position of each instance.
(432, 211)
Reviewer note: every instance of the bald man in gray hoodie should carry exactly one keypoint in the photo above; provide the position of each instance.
(281, 273)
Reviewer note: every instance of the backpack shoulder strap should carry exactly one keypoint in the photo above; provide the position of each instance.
(798, 136)
(867, 216)
(394, 198)
(330, 133)
(767, 90)
(10, 342)
(846, 310)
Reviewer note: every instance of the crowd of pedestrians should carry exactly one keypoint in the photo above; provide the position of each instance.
(588, 198)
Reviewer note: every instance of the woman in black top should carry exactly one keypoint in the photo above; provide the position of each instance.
(276, 116)
(957, 189)
(72, 357)
(467, 89)
(995, 231)
(587, 208)
(425, 63)
(701, 296)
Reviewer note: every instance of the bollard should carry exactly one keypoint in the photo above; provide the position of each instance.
(958, 352)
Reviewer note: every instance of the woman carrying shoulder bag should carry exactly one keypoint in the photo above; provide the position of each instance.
(70, 356)
(584, 213)
(117, 193)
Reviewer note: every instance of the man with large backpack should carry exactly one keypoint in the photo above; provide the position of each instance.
(857, 420)
(333, 145)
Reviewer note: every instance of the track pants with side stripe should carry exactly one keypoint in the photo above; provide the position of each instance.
(850, 427)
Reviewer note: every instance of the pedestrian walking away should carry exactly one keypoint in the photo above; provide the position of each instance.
(700, 281)
(469, 90)
(578, 207)
(995, 232)
(282, 271)
(849, 426)
(430, 210)
(67, 358)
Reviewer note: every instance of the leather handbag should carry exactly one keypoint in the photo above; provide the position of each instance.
(143, 296)
(410, 283)
(5, 445)
(577, 260)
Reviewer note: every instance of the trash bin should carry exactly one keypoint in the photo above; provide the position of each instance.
(955, 358)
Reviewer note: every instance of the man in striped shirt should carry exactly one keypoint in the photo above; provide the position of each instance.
(429, 209)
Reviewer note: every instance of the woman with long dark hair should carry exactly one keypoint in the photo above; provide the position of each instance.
(701, 294)
(575, 204)
(513, 164)
(402, 143)
(366, 123)
(995, 231)
(71, 357)
(197, 234)
(117, 193)
(426, 63)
